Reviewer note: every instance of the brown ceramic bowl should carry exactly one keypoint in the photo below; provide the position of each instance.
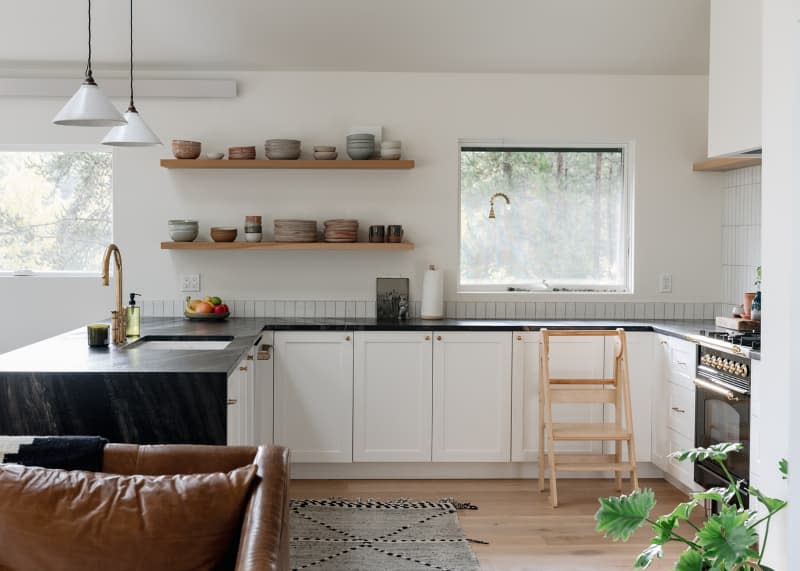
(185, 149)
(223, 233)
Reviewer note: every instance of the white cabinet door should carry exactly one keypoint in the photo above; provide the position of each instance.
(659, 403)
(472, 397)
(525, 397)
(240, 404)
(314, 395)
(643, 372)
(392, 396)
(263, 390)
(734, 77)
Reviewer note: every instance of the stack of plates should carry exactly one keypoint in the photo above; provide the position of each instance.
(341, 230)
(282, 149)
(295, 230)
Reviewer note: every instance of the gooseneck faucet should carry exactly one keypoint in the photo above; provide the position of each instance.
(118, 316)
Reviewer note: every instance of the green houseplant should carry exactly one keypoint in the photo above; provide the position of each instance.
(724, 542)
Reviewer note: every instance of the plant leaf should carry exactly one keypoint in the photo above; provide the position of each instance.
(690, 560)
(721, 495)
(717, 452)
(663, 526)
(725, 539)
(619, 517)
(684, 510)
(772, 504)
(646, 557)
(783, 467)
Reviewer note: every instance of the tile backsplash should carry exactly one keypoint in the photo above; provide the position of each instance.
(741, 232)
(456, 309)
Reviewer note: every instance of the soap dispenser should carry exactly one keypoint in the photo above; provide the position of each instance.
(134, 317)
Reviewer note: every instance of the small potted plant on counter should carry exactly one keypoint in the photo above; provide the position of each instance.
(724, 542)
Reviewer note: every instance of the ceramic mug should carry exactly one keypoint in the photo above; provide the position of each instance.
(377, 233)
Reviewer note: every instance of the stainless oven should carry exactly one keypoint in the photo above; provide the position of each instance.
(722, 413)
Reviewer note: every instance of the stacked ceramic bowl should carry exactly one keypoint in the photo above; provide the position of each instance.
(390, 150)
(360, 146)
(252, 228)
(295, 230)
(282, 149)
(185, 149)
(242, 153)
(341, 230)
(182, 230)
(325, 153)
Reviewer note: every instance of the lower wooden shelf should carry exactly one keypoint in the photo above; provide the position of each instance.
(320, 246)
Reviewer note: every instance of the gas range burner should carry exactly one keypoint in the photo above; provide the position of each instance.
(750, 339)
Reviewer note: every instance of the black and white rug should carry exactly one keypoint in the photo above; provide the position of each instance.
(402, 535)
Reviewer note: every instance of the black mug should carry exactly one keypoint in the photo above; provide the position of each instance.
(395, 233)
(376, 233)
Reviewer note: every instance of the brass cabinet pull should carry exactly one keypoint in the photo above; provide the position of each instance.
(427, 338)
(519, 337)
(680, 410)
(232, 401)
(682, 363)
(438, 337)
(242, 368)
(347, 338)
(263, 352)
(249, 357)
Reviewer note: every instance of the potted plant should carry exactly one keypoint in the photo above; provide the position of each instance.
(724, 542)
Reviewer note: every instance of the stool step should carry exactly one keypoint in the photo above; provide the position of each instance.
(589, 431)
(592, 467)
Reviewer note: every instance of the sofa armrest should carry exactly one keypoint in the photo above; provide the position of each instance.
(264, 542)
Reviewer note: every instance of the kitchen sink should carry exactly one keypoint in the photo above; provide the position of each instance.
(182, 342)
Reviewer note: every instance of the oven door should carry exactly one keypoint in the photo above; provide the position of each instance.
(722, 414)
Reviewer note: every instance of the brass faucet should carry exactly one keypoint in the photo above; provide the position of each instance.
(502, 195)
(118, 335)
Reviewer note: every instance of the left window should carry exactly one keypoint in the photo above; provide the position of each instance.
(55, 210)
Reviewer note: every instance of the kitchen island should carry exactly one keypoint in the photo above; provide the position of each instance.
(131, 393)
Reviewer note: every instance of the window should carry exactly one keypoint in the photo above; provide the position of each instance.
(564, 227)
(55, 210)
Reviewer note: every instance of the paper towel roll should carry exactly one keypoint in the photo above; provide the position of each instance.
(432, 294)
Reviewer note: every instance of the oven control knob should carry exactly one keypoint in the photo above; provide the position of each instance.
(728, 366)
(737, 369)
(705, 359)
(744, 370)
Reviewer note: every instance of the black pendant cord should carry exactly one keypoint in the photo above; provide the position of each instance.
(89, 77)
(131, 107)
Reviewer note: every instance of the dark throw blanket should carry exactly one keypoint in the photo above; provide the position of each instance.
(64, 452)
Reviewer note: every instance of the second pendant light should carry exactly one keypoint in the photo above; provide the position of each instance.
(136, 133)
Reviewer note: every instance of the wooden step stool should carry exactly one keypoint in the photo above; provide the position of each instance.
(614, 390)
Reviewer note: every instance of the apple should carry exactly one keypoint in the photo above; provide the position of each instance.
(222, 308)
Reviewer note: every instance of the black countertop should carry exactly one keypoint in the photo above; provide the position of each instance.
(69, 353)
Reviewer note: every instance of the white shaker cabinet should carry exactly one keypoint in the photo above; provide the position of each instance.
(734, 77)
(240, 403)
(263, 390)
(313, 373)
(471, 396)
(576, 357)
(392, 396)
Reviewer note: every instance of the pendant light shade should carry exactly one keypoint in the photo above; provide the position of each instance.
(135, 133)
(89, 107)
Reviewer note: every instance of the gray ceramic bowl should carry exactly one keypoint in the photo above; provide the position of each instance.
(359, 154)
(361, 136)
(183, 235)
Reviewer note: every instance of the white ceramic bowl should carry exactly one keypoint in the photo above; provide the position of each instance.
(324, 149)
(215, 156)
(325, 156)
(390, 144)
(390, 155)
(252, 236)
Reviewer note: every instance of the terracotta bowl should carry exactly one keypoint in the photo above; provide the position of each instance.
(185, 149)
(223, 234)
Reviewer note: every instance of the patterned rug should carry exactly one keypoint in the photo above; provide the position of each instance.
(402, 535)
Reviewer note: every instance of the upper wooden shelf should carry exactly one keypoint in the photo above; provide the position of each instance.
(359, 246)
(293, 165)
(726, 164)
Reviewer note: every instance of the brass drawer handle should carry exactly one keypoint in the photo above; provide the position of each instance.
(427, 338)
(232, 401)
(249, 357)
(438, 337)
(347, 338)
(519, 337)
(682, 363)
(242, 368)
(680, 410)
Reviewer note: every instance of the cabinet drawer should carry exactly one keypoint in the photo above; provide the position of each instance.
(681, 410)
(681, 471)
(681, 364)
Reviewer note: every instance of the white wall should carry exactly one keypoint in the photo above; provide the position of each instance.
(665, 116)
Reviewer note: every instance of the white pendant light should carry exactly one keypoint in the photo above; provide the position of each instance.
(136, 133)
(89, 107)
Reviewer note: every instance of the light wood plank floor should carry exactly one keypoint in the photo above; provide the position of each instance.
(523, 531)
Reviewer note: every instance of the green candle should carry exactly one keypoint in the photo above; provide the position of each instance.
(97, 334)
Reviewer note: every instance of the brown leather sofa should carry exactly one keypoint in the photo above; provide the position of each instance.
(264, 538)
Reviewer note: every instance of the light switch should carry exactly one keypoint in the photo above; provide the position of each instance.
(190, 282)
(665, 283)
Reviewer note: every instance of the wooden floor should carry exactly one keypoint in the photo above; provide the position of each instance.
(523, 531)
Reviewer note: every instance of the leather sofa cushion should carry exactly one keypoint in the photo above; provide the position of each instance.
(60, 520)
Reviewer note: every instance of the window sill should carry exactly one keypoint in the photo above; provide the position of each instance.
(89, 275)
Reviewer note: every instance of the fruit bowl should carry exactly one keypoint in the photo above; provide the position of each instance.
(207, 316)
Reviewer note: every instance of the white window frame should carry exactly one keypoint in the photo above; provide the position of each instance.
(560, 288)
(65, 148)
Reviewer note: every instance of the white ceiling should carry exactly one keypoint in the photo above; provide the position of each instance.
(558, 36)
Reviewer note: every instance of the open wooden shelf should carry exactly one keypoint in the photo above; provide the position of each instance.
(359, 246)
(726, 164)
(287, 165)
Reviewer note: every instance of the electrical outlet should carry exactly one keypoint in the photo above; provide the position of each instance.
(190, 282)
(665, 283)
